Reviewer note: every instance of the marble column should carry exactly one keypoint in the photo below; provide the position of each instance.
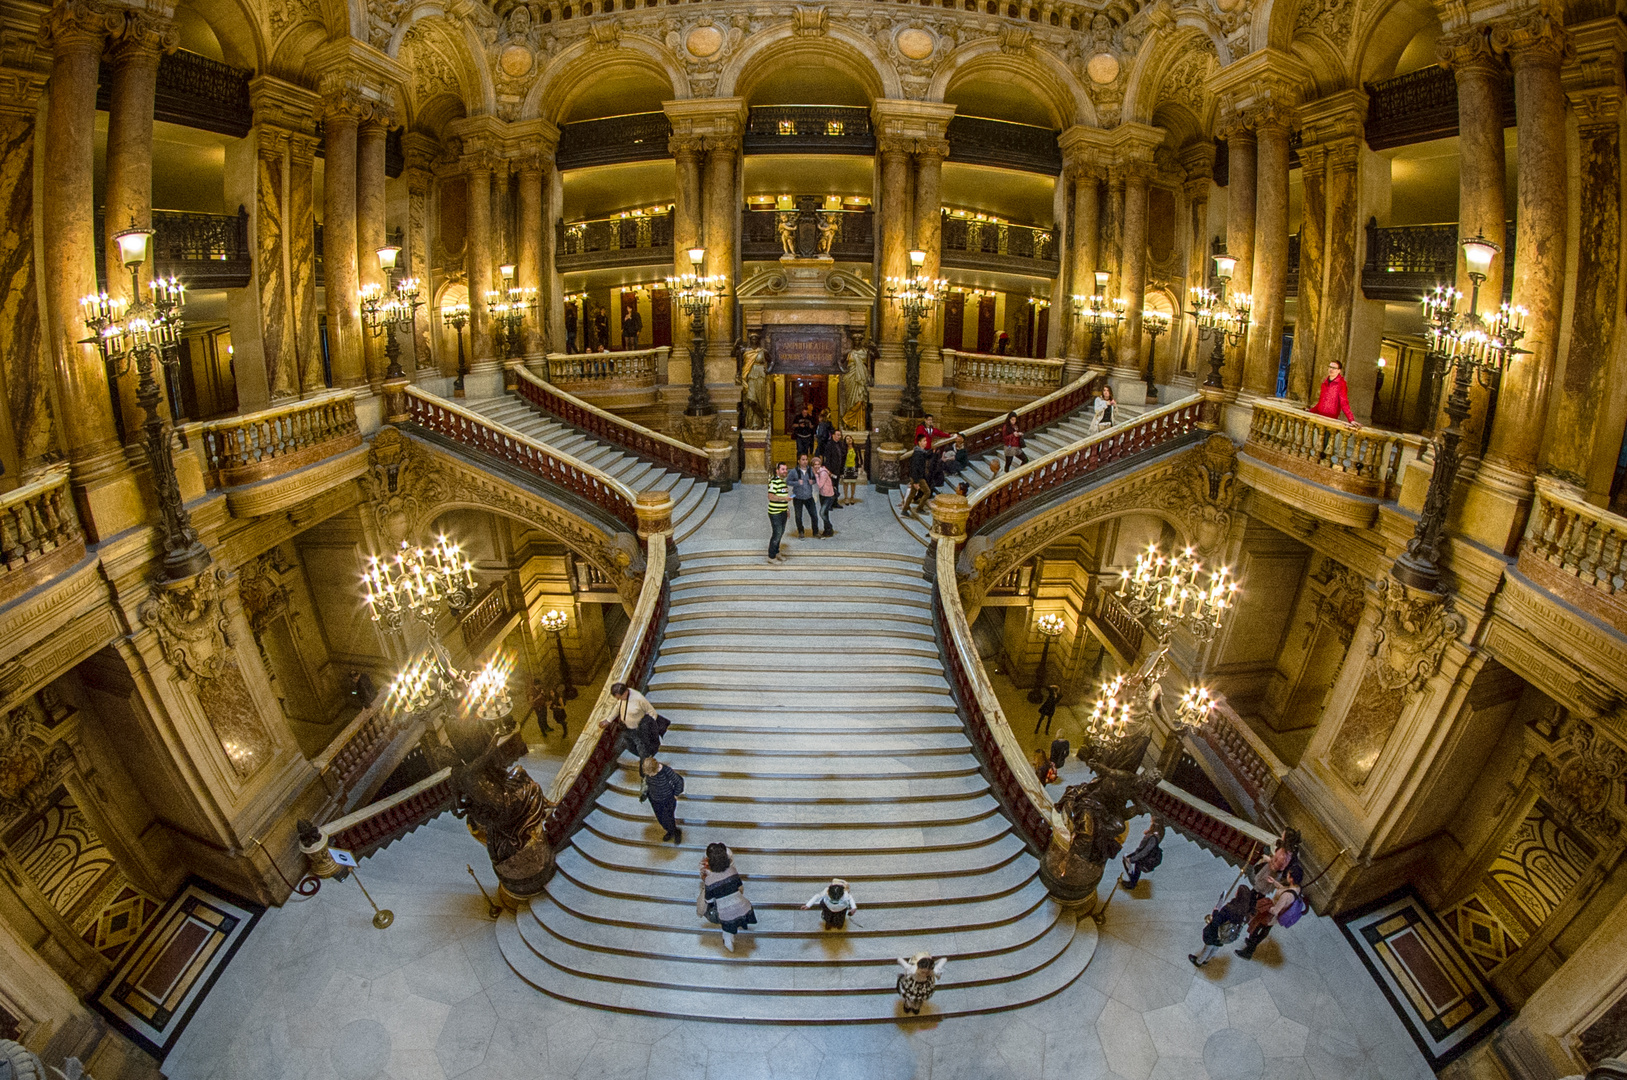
(528, 265)
(75, 34)
(722, 231)
(554, 284)
(1056, 316)
(689, 154)
(340, 270)
(1343, 275)
(1536, 45)
(24, 365)
(1198, 162)
(1241, 163)
(1087, 209)
(1270, 273)
(1583, 444)
(420, 151)
(300, 237)
(477, 261)
(892, 219)
(929, 157)
(370, 225)
(1133, 279)
(1481, 183)
(1111, 251)
(270, 265)
(133, 73)
(1302, 364)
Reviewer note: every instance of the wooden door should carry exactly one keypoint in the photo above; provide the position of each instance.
(985, 324)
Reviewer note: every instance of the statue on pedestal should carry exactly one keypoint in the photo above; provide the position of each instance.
(785, 227)
(1097, 811)
(853, 391)
(505, 808)
(753, 380)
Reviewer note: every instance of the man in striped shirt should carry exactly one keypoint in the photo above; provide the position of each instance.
(779, 500)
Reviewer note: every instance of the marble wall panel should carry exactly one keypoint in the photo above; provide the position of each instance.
(22, 355)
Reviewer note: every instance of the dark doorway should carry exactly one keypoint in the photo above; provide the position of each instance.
(804, 390)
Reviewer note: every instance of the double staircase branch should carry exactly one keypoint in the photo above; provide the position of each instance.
(984, 437)
(607, 426)
(271, 442)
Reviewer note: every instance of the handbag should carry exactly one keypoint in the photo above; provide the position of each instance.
(700, 902)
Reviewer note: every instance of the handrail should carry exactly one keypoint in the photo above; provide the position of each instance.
(36, 519)
(593, 754)
(242, 449)
(484, 613)
(488, 436)
(1035, 414)
(989, 369)
(602, 424)
(1208, 824)
(1162, 425)
(1577, 551)
(369, 827)
(1363, 461)
(362, 733)
(1011, 774)
(1246, 755)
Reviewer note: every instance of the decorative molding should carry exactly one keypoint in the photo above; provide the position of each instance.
(1582, 784)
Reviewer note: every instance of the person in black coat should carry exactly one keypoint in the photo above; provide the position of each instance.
(803, 429)
(1047, 707)
(920, 463)
(1147, 855)
(1224, 925)
(662, 786)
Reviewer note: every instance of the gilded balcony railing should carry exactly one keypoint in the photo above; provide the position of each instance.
(1119, 623)
(243, 449)
(1362, 461)
(39, 533)
(633, 240)
(1418, 106)
(854, 240)
(973, 244)
(206, 251)
(592, 372)
(197, 92)
(613, 139)
(809, 129)
(1004, 145)
(982, 373)
(1578, 552)
(477, 620)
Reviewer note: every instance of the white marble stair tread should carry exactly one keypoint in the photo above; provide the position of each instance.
(814, 575)
(895, 626)
(908, 834)
(833, 558)
(839, 790)
(624, 815)
(768, 605)
(743, 646)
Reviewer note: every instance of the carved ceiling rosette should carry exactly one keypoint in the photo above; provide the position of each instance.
(1583, 781)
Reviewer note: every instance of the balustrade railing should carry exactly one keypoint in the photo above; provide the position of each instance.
(1009, 374)
(37, 520)
(608, 426)
(1362, 461)
(1004, 145)
(980, 245)
(809, 129)
(1009, 771)
(1118, 621)
(357, 749)
(1227, 835)
(854, 240)
(368, 828)
(618, 241)
(511, 447)
(1246, 755)
(1156, 430)
(197, 92)
(586, 372)
(593, 755)
(1578, 552)
(1406, 261)
(206, 251)
(1418, 106)
(613, 139)
(243, 449)
(985, 437)
(482, 615)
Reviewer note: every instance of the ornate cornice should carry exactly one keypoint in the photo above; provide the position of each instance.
(78, 25)
(144, 37)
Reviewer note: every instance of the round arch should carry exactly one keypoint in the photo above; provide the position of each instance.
(573, 72)
(294, 49)
(1040, 76)
(455, 42)
(775, 51)
(1387, 33)
(1163, 56)
(237, 29)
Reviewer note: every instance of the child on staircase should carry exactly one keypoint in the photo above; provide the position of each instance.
(835, 902)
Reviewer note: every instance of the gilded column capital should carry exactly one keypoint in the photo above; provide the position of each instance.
(78, 26)
(302, 149)
(1086, 172)
(1343, 154)
(1597, 109)
(1533, 38)
(1312, 158)
(420, 151)
(1272, 117)
(684, 146)
(477, 159)
(20, 91)
(894, 144)
(1233, 124)
(346, 105)
(284, 104)
(927, 148)
(144, 36)
(378, 114)
(1337, 116)
(1468, 51)
(723, 143)
(529, 166)
(272, 142)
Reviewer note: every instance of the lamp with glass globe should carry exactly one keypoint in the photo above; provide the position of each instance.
(1223, 318)
(915, 295)
(695, 292)
(1100, 314)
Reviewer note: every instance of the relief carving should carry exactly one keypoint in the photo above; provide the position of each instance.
(1580, 786)
(33, 758)
(1206, 492)
(1340, 605)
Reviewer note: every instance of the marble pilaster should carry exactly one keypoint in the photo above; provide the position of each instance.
(905, 130)
(24, 366)
(1581, 448)
(1339, 288)
(1270, 275)
(554, 285)
(1302, 363)
(528, 266)
(420, 151)
(892, 219)
(270, 240)
(1198, 162)
(929, 158)
(722, 183)
(689, 154)
(1087, 215)
(1110, 253)
(300, 239)
(477, 261)
(1241, 183)
(341, 280)
(1133, 281)
(370, 222)
(711, 130)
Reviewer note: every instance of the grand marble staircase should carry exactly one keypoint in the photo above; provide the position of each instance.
(693, 499)
(818, 738)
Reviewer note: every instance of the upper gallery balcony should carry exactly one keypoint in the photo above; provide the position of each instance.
(1335, 471)
(1406, 261)
(971, 243)
(1419, 106)
(809, 129)
(197, 92)
(206, 251)
(640, 238)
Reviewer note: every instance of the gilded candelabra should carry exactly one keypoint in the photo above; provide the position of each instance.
(1100, 314)
(915, 295)
(510, 306)
(389, 308)
(1153, 323)
(695, 292)
(457, 317)
(555, 622)
(1223, 318)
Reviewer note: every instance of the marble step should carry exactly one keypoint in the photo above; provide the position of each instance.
(879, 820)
(783, 783)
(831, 557)
(916, 626)
(906, 837)
(793, 607)
(797, 664)
(836, 790)
(689, 642)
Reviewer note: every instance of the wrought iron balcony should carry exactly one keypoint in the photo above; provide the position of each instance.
(809, 129)
(615, 139)
(644, 240)
(1419, 106)
(1406, 261)
(206, 251)
(970, 244)
(1004, 145)
(197, 92)
(854, 242)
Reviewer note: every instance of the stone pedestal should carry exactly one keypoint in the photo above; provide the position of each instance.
(755, 467)
(889, 465)
(720, 464)
(654, 510)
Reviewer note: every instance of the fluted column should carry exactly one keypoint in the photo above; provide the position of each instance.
(133, 73)
(722, 234)
(892, 220)
(1133, 279)
(75, 33)
(1536, 45)
(370, 226)
(477, 261)
(1270, 274)
(340, 271)
(420, 152)
(1481, 181)
(1302, 363)
(1582, 446)
(529, 265)
(301, 241)
(1241, 165)
(1087, 210)
(929, 156)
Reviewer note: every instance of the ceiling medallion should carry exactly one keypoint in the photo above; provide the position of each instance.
(915, 43)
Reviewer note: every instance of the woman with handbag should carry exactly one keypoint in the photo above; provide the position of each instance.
(1011, 439)
(722, 897)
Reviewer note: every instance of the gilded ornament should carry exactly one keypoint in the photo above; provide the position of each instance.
(915, 43)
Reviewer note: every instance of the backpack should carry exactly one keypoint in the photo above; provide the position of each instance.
(1151, 860)
(1292, 913)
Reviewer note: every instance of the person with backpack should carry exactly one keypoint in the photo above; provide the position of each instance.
(641, 726)
(918, 493)
(661, 786)
(722, 899)
(1012, 441)
(1284, 908)
(1059, 751)
(835, 902)
(1044, 769)
(825, 488)
(1147, 855)
(1224, 925)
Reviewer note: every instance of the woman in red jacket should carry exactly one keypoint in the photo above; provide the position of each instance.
(1333, 400)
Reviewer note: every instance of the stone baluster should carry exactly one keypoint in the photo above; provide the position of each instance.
(75, 32)
(420, 152)
(1537, 46)
(24, 367)
(370, 224)
(1582, 448)
(341, 282)
(1481, 184)
(1270, 120)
